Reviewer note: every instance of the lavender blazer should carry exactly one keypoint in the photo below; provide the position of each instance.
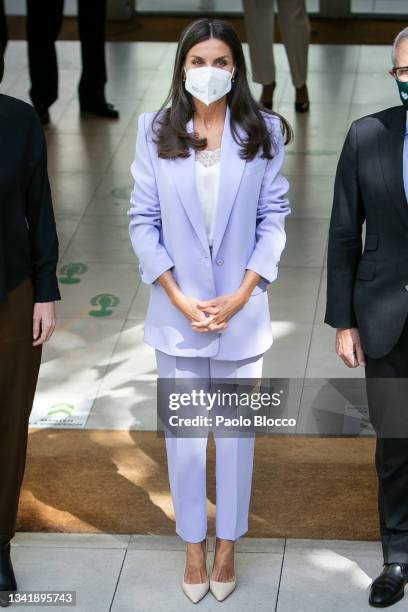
(167, 231)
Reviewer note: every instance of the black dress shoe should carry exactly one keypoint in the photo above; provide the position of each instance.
(302, 92)
(388, 587)
(268, 102)
(302, 107)
(7, 579)
(100, 109)
(43, 113)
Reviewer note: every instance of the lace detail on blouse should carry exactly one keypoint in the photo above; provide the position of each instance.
(207, 157)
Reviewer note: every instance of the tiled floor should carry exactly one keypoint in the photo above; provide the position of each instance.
(235, 6)
(225, 6)
(124, 573)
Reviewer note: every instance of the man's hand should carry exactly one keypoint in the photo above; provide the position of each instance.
(43, 321)
(348, 347)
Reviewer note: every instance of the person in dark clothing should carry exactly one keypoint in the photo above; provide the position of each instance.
(44, 20)
(28, 289)
(367, 302)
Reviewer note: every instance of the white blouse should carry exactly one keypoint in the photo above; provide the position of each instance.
(207, 166)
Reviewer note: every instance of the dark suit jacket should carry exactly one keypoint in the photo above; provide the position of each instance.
(369, 289)
(28, 236)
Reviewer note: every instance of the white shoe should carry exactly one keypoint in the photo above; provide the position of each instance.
(221, 590)
(196, 591)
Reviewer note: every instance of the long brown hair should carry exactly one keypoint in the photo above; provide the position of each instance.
(171, 136)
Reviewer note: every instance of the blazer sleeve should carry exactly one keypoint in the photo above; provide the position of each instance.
(40, 219)
(145, 214)
(345, 240)
(271, 212)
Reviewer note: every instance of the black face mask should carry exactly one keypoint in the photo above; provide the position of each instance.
(403, 92)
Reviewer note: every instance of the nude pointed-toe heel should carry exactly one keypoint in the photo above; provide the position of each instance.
(221, 590)
(196, 591)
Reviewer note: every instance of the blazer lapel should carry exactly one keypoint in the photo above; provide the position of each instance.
(183, 173)
(231, 170)
(392, 149)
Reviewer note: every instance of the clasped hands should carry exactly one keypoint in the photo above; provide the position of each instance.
(213, 314)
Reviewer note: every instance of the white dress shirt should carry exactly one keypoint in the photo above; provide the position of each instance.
(207, 166)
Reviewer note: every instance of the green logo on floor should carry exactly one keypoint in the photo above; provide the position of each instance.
(105, 301)
(70, 271)
(61, 409)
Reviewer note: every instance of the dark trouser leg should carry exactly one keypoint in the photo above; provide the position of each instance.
(387, 401)
(44, 19)
(391, 458)
(91, 21)
(19, 367)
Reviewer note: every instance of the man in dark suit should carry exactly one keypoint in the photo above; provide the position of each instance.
(367, 302)
(44, 20)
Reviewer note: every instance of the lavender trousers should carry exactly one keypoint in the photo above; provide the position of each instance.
(186, 457)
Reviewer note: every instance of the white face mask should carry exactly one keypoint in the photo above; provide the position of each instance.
(208, 83)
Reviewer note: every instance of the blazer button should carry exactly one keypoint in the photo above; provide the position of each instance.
(220, 262)
(406, 287)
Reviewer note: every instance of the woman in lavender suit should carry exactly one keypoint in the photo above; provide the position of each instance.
(206, 222)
